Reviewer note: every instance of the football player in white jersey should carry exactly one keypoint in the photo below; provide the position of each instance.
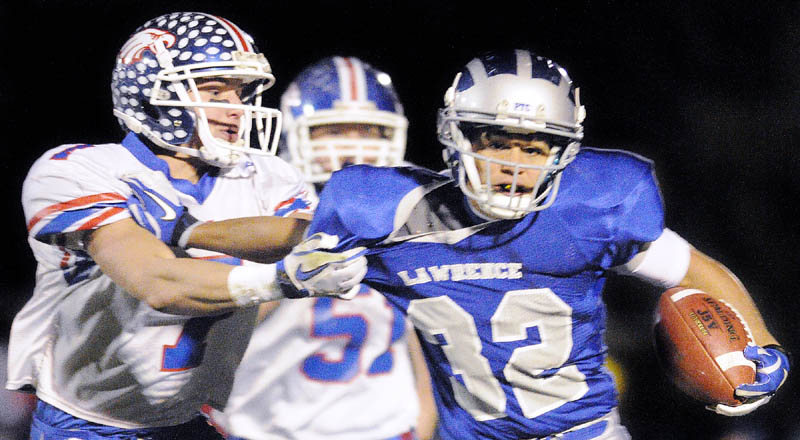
(501, 265)
(121, 339)
(325, 368)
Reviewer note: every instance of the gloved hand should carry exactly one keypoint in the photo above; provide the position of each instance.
(772, 367)
(310, 270)
(155, 206)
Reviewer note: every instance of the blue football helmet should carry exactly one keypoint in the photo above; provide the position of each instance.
(342, 90)
(516, 92)
(155, 94)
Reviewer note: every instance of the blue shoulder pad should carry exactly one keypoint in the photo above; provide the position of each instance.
(359, 202)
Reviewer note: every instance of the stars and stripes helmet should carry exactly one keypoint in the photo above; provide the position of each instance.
(515, 91)
(154, 88)
(341, 90)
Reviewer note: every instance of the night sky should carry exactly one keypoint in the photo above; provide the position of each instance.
(708, 92)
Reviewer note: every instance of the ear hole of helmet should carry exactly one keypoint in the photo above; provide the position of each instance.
(150, 110)
(249, 92)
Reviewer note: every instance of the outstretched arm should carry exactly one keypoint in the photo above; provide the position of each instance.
(147, 269)
(260, 239)
(155, 206)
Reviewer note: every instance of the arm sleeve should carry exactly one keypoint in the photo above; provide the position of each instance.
(359, 204)
(282, 187)
(663, 262)
(63, 200)
(640, 218)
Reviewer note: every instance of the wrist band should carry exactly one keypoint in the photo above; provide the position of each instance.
(285, 283)
(251, 285)
(183, 230)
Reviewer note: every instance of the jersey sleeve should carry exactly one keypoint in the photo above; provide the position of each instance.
(288, 193)
(65, 196)
(359, 203)
(641, 218)
(611, 204)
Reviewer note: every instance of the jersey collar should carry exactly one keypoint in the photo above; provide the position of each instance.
(143, 154)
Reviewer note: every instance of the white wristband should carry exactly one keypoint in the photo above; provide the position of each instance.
(253, 284)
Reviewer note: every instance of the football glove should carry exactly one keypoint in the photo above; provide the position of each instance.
(154, 205)
(772, 367)
(311, 270)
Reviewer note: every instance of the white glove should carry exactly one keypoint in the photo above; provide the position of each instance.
(310, 270)
(772, 367)
(735, 411)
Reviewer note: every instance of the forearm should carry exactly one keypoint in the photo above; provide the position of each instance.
(261, 239)
(148, 270)
(186, 286)
(712, 277)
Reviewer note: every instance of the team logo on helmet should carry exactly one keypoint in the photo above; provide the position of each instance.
(146, 39)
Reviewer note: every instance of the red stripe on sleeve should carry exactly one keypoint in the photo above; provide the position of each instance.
(99, 219)
(81, 201)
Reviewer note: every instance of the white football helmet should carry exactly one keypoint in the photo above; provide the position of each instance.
(342, 90)
(517, 92)
(155, 94)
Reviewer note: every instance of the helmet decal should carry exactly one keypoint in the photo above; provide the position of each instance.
(154, 40)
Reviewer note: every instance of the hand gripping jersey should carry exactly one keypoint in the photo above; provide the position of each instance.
(510, 311)
(325, 369)
(88, 347)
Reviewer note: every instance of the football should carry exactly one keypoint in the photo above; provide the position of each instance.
(700, 341)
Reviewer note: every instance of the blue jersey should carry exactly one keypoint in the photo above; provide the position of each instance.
(509, 312)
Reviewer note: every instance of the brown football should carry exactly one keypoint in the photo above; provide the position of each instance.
(700, 342)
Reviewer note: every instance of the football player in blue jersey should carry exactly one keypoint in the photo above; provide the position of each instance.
(500, 264)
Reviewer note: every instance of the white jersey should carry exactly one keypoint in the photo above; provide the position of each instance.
(323, 368)
(91, 349)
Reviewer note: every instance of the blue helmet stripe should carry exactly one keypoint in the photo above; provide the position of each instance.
(465, 81)
(498, 63)
(545, 69)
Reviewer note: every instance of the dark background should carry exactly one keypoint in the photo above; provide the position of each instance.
(708, 91)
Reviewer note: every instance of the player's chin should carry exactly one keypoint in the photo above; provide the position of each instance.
(227, 136)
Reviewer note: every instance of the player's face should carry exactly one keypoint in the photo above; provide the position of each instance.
(347, 154)
(525, 149)
(223, 122)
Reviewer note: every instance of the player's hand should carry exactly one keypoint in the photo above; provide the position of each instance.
(735, 411)
(311, 270)
(155, 206)
(772, 367)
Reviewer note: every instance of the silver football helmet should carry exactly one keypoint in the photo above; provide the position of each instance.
(516, 92)
(155, 94)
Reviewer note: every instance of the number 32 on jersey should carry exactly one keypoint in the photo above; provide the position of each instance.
(443, 322)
